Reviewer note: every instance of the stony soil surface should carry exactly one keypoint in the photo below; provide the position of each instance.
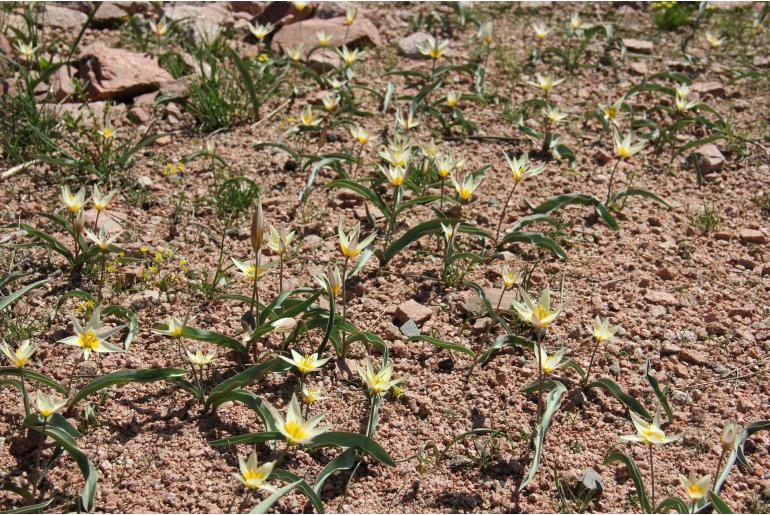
(694, 302)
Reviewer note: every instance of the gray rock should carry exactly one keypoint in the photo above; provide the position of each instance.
(592, 480)
(410, 329)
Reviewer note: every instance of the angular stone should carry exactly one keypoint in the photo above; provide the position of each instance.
(285, 13)
(205, 19)
(362, 31)
(109, 14)
(752, 236)
(409, 329)
(693, 357)
(324, 60)
(471, 304)
(110, 221)
(408, 46)
(639, 46)
(176, 88)
(638, 67)
(592, 480)
(715, 89)
(114, 73)
(62, 18)
(661, 298)
(61, 82)
(413, 310)
(669, 349)
(711, 159)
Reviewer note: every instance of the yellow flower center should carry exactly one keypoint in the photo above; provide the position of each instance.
(465, 193)
(20, 360)
(451, 102)
(611, 113)
(45, 412)
(254, 478)
(363, 140)
(435, 53)
(88, 340)
(305, 364)
(549, 366)
(295, 431)
(695, 492)
(397, 180)
(176, 331)
(652, 434)
(107, 133)
(540, 313)
(379, 385)
(624, 151)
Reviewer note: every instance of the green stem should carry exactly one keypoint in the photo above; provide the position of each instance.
(612, 180)
(280, 274)
(36, 484)
(590, 364)
(652, 477)
(101, 279)
(344, 302)
(502, 215)
(25, 394)
(719, 466)
(392, 220)
(539, 373)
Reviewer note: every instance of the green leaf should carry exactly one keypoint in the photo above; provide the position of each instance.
(560, 201)
(636, 476)
(85, 465)
(612, 387)
(49, 241)
(672, 502)
(534, 239)
(34, 376)
(7, 279)
(374, 415)
(371, 339)
(306, 488)
(329, 322)
(358, 441)
(32, 508)
(248, 438)
(273, 498)
(141, 375)
(293, 153)
(22, 390)
(442, 344)
(552, 404)
(639, 193)
(502, 341)
(718, 503)
(343, 461)
(414, 234)
(530, 219)
(13, 297)
(362, 190)
(246, 78)
(244, 378)
(662, 399)
(203, 335)
(129, 316)
(251, 400)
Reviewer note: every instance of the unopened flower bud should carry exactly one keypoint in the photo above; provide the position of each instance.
(257, 228)
(730, 435)
(80, 221)
(284, 325)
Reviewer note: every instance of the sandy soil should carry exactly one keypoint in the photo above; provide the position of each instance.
(694, 302)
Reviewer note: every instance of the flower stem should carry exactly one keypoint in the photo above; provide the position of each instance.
(502, 215)
(612, 179)
(280, 274)
(39, 452)
(539, 373)
(652, 477)
(344, 302)
(590, 364)
(719, 466)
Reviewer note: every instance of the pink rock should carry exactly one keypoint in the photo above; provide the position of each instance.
(413, 310)
(639, 46)
(114, 73)
(304, 33)
(752, 236)
(711, 159)
(661, 298)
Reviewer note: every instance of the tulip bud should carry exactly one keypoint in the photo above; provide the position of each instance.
(80, 222)
(730, 435)
(257, 228)
(284, 325)
(211, 150)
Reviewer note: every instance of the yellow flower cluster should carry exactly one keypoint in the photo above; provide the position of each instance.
(173, 168)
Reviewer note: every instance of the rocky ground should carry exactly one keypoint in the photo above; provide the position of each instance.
(687, 285)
